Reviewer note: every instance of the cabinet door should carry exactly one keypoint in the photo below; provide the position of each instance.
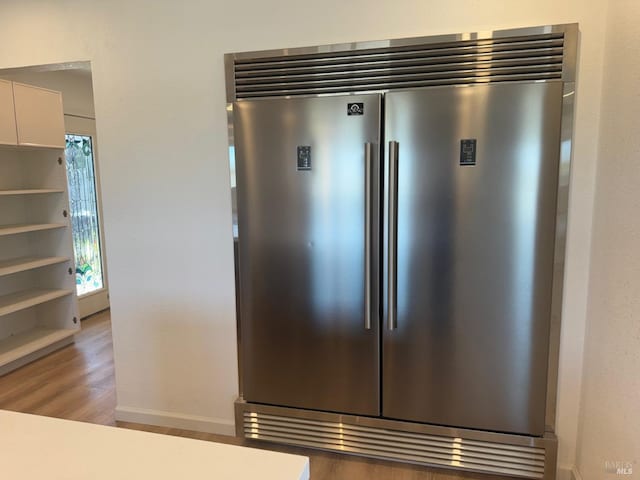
(8, 134)
(477, 175)
(39, 116)
(302, 204)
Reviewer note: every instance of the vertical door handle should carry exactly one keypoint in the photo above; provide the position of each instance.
(368, 230)
(392, 247)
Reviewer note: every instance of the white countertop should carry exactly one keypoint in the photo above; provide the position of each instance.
(36, 448)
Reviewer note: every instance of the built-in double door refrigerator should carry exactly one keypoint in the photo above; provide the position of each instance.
(396, 252)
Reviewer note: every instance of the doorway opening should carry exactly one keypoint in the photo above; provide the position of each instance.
(74, 80)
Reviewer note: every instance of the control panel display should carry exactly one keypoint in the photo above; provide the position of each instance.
(304, 157)
(468, 151)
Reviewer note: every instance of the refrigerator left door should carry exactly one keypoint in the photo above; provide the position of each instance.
(304, 208)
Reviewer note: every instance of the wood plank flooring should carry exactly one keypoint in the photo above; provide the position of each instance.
(77, 383)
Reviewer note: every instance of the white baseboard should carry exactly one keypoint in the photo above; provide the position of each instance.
(175, 420)
(568, 473)
(563, 473)
(575, 474)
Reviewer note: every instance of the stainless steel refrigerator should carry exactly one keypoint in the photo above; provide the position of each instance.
(396, 250)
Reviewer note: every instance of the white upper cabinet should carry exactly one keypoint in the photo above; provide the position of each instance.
(8, 135)
(39, 116)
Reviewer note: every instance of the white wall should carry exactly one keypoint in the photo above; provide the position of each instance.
(610, 413)
(159, 97)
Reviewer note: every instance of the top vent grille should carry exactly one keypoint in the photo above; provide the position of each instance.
(536, 57)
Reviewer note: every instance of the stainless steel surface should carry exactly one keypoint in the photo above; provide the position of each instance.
(236, 269)
(408, 65)
(460, 49)
(230, 87)
(522, 54)
(368, 232)
(501, 454)
(564, 171)
(482, 55)
(392, 230)
(475, 255)
(234, 219)
(397, 82)
(570, 54)
(339, 48)
(301, 254)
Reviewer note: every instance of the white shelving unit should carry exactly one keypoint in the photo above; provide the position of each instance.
(38, 304)
(28, 227)
(23, 264)
(14, 302)
(32, 191)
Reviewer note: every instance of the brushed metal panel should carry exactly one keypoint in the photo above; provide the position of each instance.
(301, 253)
(354, 87)
(381, 72)
(341, 65)
(405, 63)
(501, 454)
(396, 78)
(564, 170)
(361, 55)
(400, 49)
(475, 255)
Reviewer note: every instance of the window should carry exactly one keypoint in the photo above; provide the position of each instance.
(84, 213)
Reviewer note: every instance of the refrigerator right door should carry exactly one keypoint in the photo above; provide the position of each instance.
(471, 209)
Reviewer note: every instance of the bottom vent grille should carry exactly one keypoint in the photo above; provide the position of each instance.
(433, 450)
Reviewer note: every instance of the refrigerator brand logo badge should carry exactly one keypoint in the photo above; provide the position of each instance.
(355, 109)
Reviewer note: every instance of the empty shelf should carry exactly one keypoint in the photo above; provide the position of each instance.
(33, 227)
(22, 264)
(14, 347)
(31, 191)
(15, 302)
